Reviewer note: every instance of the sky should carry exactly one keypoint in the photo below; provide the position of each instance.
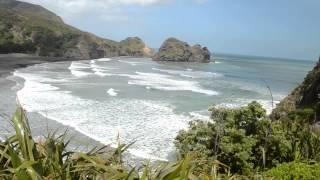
(272, 28)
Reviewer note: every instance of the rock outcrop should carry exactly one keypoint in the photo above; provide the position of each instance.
(29, 28)
(134, 46)
(175, 50)
(306, 95)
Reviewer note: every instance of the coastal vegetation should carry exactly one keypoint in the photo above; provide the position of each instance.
(242, 144)
(284, 145)
(22, 157)
(247, 141)
(239, 143)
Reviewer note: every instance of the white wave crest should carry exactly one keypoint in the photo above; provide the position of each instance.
(191, 74)
(165, 82)
(104, 59)
(200, 115)
(112, 92)
(75, 65)
(101, 72)
(152, 123)
(80, 74)
(239, 102)
(78, 68)
(132, 63)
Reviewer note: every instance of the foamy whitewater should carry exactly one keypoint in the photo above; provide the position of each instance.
(149, 102)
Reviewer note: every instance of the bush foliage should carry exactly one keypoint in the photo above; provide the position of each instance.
(23, 158)
(295, 171)
(236, 144)
(247, 141)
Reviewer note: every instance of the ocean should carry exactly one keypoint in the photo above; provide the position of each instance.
(147, 102)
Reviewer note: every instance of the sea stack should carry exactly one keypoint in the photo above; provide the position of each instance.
(134, 46)
(178, 51)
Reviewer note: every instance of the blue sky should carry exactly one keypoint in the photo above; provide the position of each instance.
(277, 28)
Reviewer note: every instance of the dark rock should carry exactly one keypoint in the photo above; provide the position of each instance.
(132, 46)
(306, 95)
(199, 54)
(175, 50)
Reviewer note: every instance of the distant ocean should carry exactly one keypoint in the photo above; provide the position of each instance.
(149, 102)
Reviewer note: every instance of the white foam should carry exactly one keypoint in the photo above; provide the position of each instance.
(239, 102)
(128, 62)
(78, 73)
(132, 63)
(152, 123)
(35, 77)
(95, 67)
(112, 92)
(101, 74)
(196, 115)
(78, 68)
(75, 65)
(166, 82)
(104, 59)
(155, 81)
(191, 74)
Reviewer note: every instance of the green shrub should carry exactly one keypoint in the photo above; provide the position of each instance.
(240, 144)
(295, 171)
(247, 141)
(22, 158)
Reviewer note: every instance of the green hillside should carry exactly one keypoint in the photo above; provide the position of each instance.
(29, 28)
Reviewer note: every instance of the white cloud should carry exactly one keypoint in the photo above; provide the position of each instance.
(107, 10)
(80, 5)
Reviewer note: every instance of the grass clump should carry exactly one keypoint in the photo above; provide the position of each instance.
(244, 144)
(23, 158)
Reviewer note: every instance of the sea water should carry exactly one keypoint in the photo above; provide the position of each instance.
(148, 102)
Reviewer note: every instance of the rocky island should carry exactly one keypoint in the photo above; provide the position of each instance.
(178, 51)
(134, 46)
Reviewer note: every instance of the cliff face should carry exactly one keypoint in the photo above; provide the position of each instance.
(175, 50)
(306, 95)
(29, 28)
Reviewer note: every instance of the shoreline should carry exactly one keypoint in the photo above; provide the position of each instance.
(40, 125)
(10, 62)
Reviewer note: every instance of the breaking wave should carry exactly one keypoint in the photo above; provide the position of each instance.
(166, 82)
(190, 73)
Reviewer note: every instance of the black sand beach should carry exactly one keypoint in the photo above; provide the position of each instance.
(9, 62)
